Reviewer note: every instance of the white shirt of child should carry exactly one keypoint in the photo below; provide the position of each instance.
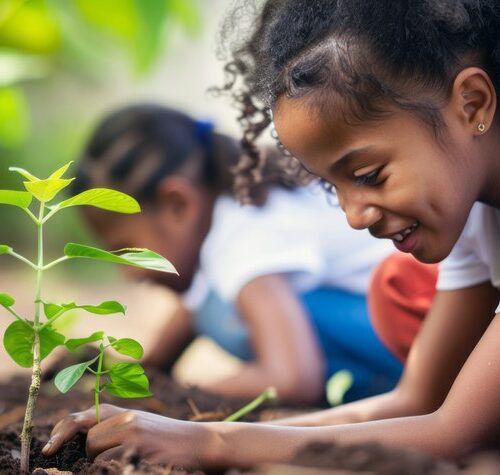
(298, 233)
(475, 257)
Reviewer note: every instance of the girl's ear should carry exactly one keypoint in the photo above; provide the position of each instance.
(177, 197)
(474, 99)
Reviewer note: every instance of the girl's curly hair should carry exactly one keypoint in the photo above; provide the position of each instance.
(363, 58)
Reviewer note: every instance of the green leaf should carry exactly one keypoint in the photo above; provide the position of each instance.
(49, 339)
(337, 386)
(4, 249)
(60, 171)
(15, 198)
(149, 42)
(105, 308)
(128, 347)
(6, 300)
(143, 258)
(187, 13)
(127, 380)
(46, 190)
(18, 342)
(25, 173)
(14, 117)
(75, 343)
(31, 26)
(51, 309)
(69, 376)
(104, 198)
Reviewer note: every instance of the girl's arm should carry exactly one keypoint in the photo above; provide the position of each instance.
(172, 339)
(468, 418)
(450, 331)
(287, 355)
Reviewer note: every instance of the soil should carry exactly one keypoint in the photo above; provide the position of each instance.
(173, 400)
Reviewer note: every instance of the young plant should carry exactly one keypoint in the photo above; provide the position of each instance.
(29, 340)
(126, 380)
(268, 394)
(337, 386)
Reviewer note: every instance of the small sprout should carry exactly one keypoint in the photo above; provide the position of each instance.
(268, 394)
(337, 386)
(29, 341)
(126, 380)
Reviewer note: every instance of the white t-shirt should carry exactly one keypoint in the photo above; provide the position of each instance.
(298, 232)
(476, 255)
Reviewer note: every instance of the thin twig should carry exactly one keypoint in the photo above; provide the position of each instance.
(194, 409)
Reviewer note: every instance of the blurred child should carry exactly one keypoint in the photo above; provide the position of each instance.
(281, 286)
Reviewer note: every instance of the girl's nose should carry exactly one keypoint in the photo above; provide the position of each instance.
(361, 216)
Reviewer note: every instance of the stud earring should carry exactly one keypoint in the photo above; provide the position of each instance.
(481, 127)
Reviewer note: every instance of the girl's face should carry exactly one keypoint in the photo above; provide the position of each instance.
(391, 176)
(176, 243)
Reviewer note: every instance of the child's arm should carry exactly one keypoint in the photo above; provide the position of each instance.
(287, 355)
(450, 331)
(468, 418)
(172, 339)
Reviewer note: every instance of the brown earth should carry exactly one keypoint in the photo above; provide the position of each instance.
(174, 400)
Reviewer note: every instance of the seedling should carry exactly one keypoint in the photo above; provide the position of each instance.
(337, 386)
(267, 394)
(29, 341)
(126, 380)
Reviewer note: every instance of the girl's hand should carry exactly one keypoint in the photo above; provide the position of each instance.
(74, 423)
(154, 438)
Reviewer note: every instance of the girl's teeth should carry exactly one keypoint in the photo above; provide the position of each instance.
(400, 236)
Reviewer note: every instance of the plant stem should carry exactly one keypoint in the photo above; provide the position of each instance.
(31, 215)
(26, 433)
(51, 320)
(269, 393)
(97, 389)
(18, 317)
(54, 263)
(23, 259)
(51, 213)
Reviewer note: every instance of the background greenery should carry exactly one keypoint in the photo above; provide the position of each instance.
(65, 62)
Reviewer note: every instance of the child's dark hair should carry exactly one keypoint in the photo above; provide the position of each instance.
(133, 149)
(362, 57)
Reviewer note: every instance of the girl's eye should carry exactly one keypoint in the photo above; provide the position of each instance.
(368, 179)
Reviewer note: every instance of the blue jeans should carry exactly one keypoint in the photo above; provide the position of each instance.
(341, 324)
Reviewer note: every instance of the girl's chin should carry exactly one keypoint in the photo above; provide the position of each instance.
(429, 254)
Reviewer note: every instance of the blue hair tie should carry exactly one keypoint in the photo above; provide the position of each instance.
(203, 129)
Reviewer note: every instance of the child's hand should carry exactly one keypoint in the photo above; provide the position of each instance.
(68, 427)
(154, 438)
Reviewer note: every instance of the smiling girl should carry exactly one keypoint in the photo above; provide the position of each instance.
(393, 103)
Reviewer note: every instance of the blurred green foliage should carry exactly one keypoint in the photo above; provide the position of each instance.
(48, 47)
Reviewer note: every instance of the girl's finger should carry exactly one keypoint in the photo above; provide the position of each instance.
(115, 453)
(112, 423)
(62, 432)
(113, 432)
(67, 428)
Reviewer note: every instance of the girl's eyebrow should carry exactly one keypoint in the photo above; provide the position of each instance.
(342, 161)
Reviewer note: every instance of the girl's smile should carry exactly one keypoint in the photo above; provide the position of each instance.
(406, 239)
(392, 176)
